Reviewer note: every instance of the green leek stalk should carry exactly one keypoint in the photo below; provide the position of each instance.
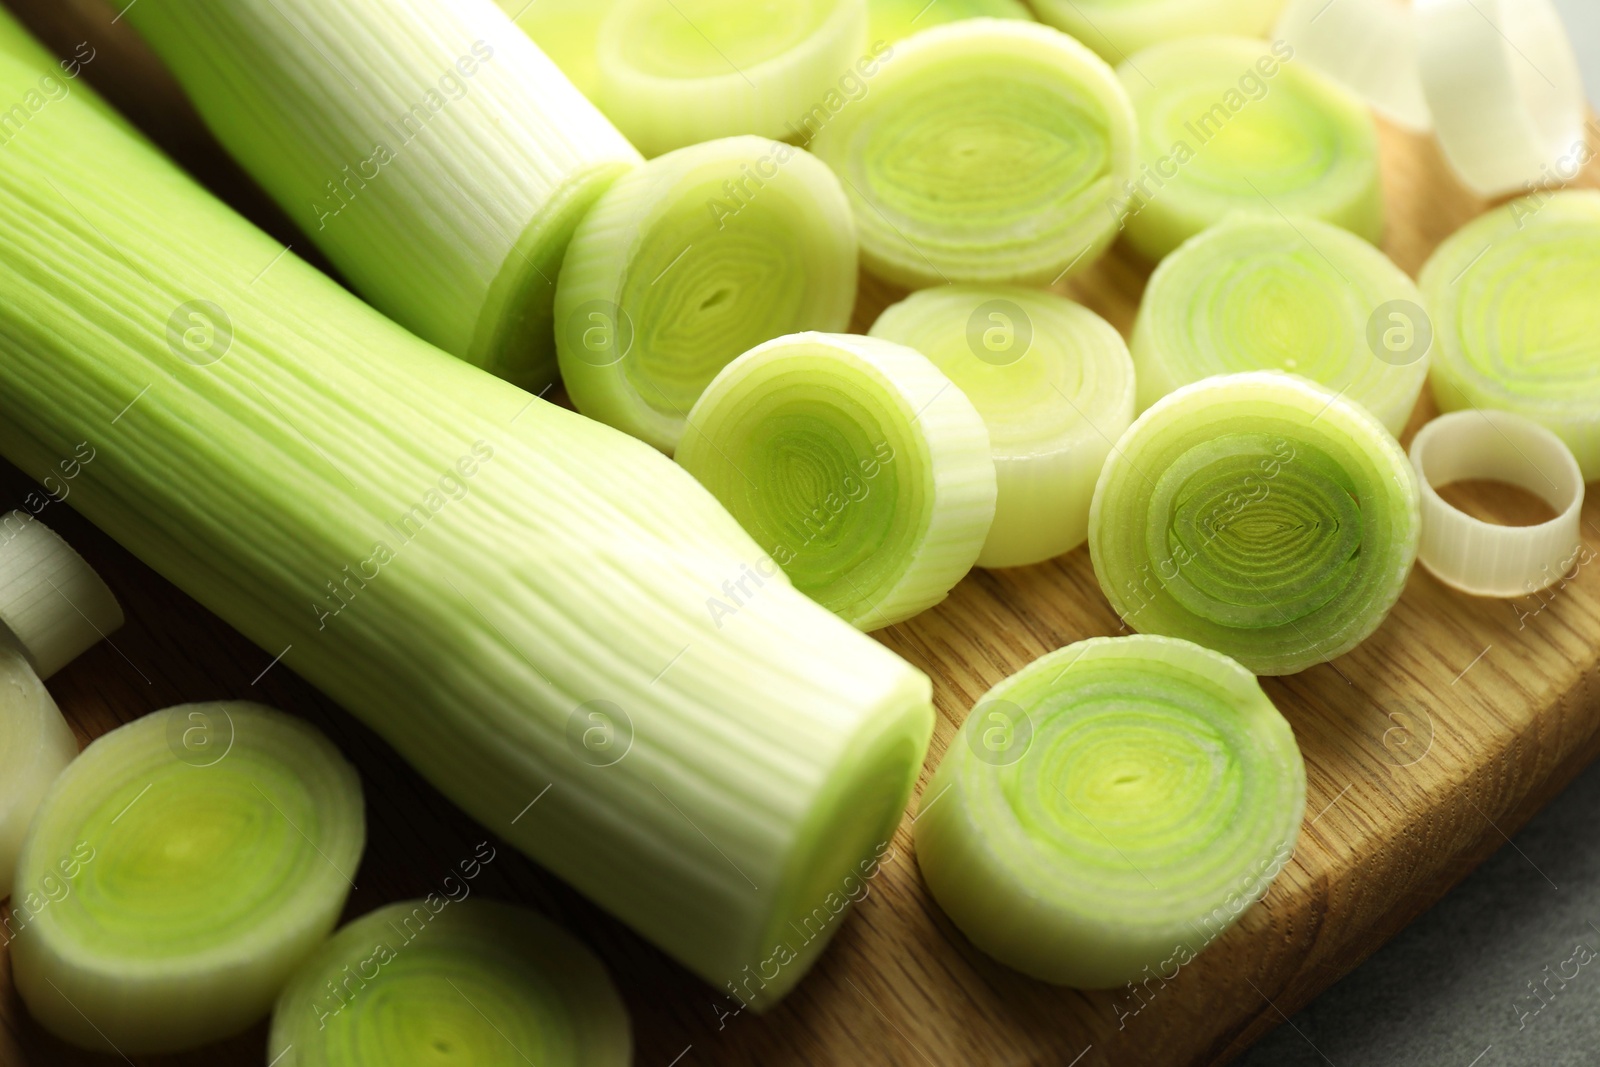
(213, 846)
(510, 593)
(450, 979)
(1512, 296)
(426, 147)
(892, 20)
(1257, 514)
(1111, 806)
(36, 744)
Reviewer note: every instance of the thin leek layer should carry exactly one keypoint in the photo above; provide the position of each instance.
(1119, 28)
(892, 20)
(215, 844)
(36, 744)
(985, 152)
(1369, 46)
(677, 72)
(428, 149)
(1513, 301)
(1111, 807)
(51, 602)
(1055, 386)
(423, 982)
(855, 463)
(1228, 124)
(1257, 514)
(464, 567)
(690, 261)
(1263, 292)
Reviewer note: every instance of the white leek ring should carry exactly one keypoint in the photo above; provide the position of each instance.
(36, 744)
(1370, 46)
(51, 601)
(1479, 557)
(1504, 87)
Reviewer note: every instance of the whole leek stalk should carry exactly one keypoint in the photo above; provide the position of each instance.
(513, 595)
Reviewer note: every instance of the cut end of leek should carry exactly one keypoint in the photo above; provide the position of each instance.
(1266, 292)
(1228, 124)
(690, 261)
(855, 463)
(1111, 809)
(36, 744)
(51, 601)
(460, 981)
(1259, 515)
(178, 872)
(1119, 28)
(673, 73)
(1004, 186)
(1055, 386)
(893, 20)
(1512, 296)
(1369, 46)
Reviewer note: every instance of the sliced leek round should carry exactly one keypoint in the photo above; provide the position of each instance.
(986, 151)
(1264, 292)
(222, 839)
(1369, 46)
(1228, 124)
(1055, 386)
(1110, 807)
(51, 601)
(1257, 514)
(1119, 28)
(1512, 296)
(693, 259)
(892, 20)
(855, 463)
(442, 980)
(36, 744)
(673, 73)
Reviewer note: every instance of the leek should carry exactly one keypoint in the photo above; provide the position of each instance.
(1269, 293)
(1118, 28)
(36, 744)
(448, 979)
(855, 463)
(985, 153)
(1228, 124)
(691, 260)
(1258, 514)
(426, 147)
(567, 31)
(1369, 46)
(1513, 300)
(221, 842)
(1111, 809)
(677, 72)
(892, 20)
(52, 603)
(1055, 387)
(463, 566)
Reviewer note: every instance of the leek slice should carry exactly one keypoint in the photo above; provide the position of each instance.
(1118, 28)
(426, 982)
(1228, 124)
(859, 466)
(1369, 46)
(1263, 292)
(466, 568)
(1513, 300)
(693, 259)
(1111, 809)
(677, 72)
(222, 839)
(893, 20)
(51, 601)
(36, 744)
(985, 152)
(1055, 386)
(428, 149)
(1257, 514)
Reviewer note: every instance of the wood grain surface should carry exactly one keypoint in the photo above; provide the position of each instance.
(1424, 749)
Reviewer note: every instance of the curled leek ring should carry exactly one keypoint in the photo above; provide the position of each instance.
(691, 260)
(36, 744)
(1111, 808)
(893, 20)
(1119, 28)
(1228, 124)
(673, 73)
(1478, 557)
(1262, 292)
(51, 601)
(1055, 386)
(1513, 301)
(211, 848)
(985, 152)
(450, 980)
(856, 463)
(1257, 514)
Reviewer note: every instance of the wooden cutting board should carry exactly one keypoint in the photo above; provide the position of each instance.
(1424, 749)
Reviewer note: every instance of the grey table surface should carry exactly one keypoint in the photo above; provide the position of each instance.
(1505, 971)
